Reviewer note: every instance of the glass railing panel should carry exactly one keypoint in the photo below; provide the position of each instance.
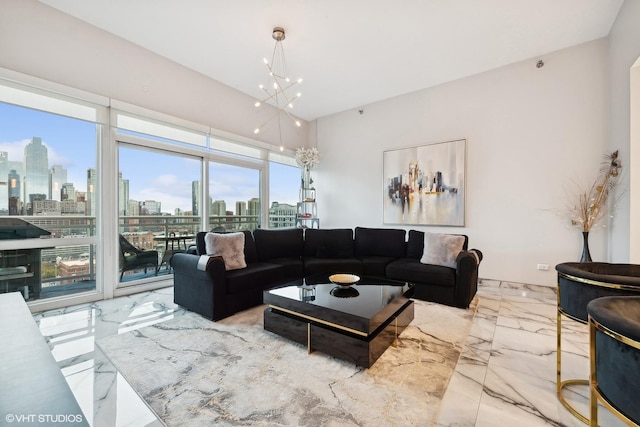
(40, 273)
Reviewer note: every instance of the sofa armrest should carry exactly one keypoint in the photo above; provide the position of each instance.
(201, 291)
(467, 264)
(468, 260)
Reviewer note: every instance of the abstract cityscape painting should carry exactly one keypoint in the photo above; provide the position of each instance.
(425, 185)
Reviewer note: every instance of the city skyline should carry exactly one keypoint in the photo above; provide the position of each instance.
(71, 141)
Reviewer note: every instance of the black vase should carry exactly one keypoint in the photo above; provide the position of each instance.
(586, 256)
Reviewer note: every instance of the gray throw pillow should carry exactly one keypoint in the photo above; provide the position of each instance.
(441, 249)
(229, 246)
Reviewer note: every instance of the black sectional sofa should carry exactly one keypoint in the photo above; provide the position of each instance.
(274, 257)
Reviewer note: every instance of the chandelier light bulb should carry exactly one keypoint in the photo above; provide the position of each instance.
(275, 85)
(287, 79)
(282, 148)
(300, 80)
(257, 104)
(299, 94)
(256, 130)
(261, 86)
(290, 105)
(298, 123)
(265, 61)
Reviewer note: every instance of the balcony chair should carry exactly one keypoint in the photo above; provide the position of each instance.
(132, 258)
(578, 284)
(614, 338)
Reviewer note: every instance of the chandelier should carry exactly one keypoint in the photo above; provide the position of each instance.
(279, 92)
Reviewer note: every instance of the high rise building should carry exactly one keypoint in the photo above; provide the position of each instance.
(254, 207)
(92, 182)
(31, 203)
(150, 207)
(219, 208)
(241, 211)
(241, 208)
(14, 193)
(68, 192)
(6, 167)
(133, 208)
(46, 207)
(71, 207)
(195, 197)
(4, 182)
(35, 179)
(123, 195)
(282, 215)
(57, 177)
(254, 212)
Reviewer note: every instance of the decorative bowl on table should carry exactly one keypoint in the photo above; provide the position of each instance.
(344, 280)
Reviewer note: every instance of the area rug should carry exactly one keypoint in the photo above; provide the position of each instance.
(194, 372)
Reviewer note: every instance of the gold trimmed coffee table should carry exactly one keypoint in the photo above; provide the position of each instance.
(356, 324)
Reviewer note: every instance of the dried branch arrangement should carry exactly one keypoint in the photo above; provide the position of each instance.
(591, 206)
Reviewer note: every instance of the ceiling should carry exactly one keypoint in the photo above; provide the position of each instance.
(349, 53)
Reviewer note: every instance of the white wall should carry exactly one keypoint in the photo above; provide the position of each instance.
(43, 42)
(530, 132)
(624, 41)
(634, 165)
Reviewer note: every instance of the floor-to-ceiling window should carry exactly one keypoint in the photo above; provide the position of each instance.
(158, 213)
(159, 171)
(48, 194)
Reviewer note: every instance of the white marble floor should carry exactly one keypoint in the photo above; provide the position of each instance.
(505, 375)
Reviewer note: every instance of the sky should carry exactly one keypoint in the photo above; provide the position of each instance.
(152, 175)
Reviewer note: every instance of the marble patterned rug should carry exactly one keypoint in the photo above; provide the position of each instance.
(194, 372)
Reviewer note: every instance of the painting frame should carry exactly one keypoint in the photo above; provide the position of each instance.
(425, 184)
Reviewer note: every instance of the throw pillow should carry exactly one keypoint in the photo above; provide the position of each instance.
(441, 249)
(229, 246)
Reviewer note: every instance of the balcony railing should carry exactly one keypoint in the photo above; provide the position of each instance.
(73, 265)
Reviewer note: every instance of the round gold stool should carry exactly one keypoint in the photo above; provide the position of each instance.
(579, 284)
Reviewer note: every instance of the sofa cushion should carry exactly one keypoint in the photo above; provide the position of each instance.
(292, 267)
(441, 249)
(375, 265)
(385, 242)
(229, 246)
(328, 243)
(283, 243)
(256, 276)
(250, 252)
(415, 244)
(314, 265)
(413, 271)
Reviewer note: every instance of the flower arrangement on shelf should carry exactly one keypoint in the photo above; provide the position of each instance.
(590, 206)
(307, 157)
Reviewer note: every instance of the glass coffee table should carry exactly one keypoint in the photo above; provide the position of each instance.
(356, 323)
